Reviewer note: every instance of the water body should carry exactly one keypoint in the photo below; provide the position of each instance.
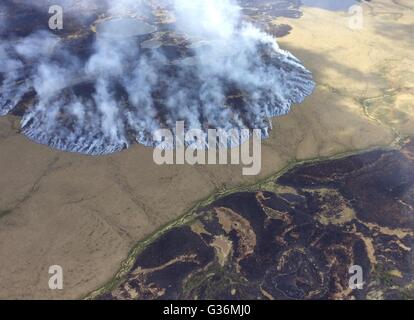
(333, 5)
(124, 28)
(93, 108)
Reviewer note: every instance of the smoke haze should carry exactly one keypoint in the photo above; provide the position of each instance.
(118, 92)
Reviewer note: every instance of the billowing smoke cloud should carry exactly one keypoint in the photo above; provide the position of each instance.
(231, 76)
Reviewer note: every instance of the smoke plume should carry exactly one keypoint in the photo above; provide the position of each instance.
(216, 71)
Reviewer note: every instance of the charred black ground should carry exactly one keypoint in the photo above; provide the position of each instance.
(297, 242)
(109, 80)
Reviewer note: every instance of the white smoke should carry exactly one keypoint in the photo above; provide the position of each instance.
(121, 93)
